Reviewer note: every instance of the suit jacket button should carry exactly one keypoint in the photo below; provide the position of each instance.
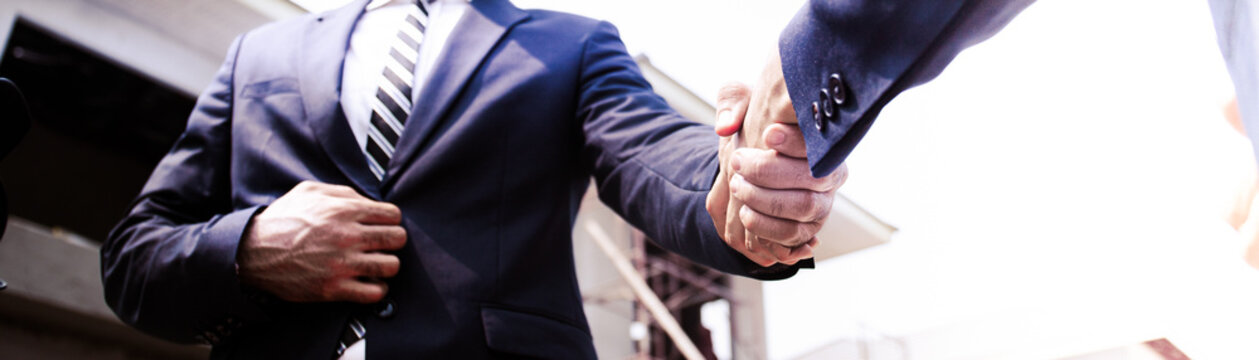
(384, 309)
(827, 105)
(817, 119)
(838, 93)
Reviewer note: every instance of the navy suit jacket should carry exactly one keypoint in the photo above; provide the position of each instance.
(843, 60)
(520, 112)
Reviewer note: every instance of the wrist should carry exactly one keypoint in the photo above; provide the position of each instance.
(245, 249)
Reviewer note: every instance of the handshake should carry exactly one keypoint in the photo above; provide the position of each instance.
(322, 242)
(764, 203)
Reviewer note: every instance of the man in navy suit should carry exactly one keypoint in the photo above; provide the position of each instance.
(398, 180)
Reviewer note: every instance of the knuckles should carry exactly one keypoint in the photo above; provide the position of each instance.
(804, 232)
(753, 163)
(306, 186)
(835, 179)
(765, 262)
(336, 208)
(820, 207)
(733, 93)
(341, 189)
(843, 175)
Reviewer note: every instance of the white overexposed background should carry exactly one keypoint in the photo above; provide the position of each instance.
(1059, 188)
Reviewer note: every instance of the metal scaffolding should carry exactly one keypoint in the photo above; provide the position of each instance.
(668, 293)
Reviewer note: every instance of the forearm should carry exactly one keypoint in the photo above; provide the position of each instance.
(662, 192)
(178, 281)
(652, 166)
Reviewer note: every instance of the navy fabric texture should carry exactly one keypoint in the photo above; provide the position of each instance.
(523, 109)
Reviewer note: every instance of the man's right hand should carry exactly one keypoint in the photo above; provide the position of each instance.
(322, 242)
(765, 202)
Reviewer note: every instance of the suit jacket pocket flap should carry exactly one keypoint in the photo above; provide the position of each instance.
(264, 88)
(532, 335)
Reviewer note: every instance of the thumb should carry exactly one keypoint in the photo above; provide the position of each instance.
(732, 106)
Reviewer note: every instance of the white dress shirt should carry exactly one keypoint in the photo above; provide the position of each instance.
(364, 65)
(374, 33)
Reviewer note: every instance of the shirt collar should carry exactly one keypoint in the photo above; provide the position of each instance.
(376, 4)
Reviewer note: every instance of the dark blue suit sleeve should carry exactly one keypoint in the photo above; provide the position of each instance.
(849, 58)
(169, 268)
(651, 165)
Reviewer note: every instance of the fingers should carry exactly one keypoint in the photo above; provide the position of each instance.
(327, 189)
(732, 106)
(734, 231)
(755, 250)
(381, 238)
(774, 209)
(780, 253)
(768, 169)
(359, 291)
(803, 251)
(719, 196)
(724, 211)
(717, 202)
(772, 92)
(361, 209)
(376, 213)
(797, 205)
(373, 265)
(783, 232)
(788, 255)
(738, 238)
(346, 203)
(786, 139)
(363, 285)
(842, 174)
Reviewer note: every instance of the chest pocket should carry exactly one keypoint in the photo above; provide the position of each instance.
(262, 89)
(275, 99)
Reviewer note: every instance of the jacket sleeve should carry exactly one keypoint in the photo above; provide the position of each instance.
(843, 60)
(1236, 32)
(651, 165)
(169, 268)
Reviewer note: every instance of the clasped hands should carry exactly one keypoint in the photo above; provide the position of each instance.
(765, 203)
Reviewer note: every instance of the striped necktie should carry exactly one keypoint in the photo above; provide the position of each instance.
(390, 108)
(392, 104)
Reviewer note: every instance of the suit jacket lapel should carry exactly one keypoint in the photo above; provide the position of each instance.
(323, 54)
(481, 28)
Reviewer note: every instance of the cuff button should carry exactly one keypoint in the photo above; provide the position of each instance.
(838, 93)
(826, 104)
(818, 122)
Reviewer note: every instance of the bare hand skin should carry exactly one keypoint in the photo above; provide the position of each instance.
(732, 104)
(322, 242)
(765, 203)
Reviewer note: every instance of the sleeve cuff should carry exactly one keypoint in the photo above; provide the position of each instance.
(220, 243)
(776, 271)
